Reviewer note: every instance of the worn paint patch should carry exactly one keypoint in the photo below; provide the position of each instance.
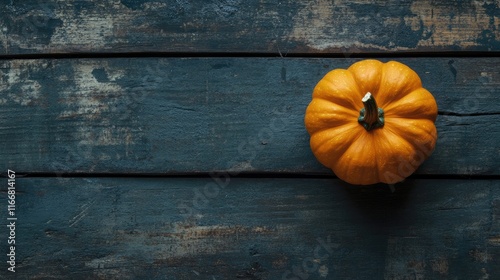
(314, 24)
(324, 24)
(480, 255)
(440, 265)
(19, 86)
(494, 240)
(93, 98)
(154, 6)
(448, 23)
(27, 27)
(323, 271)
(87, 29)
(241, 166)
(89, 98)
(352, 26)
(484, 275)
(186, 240)
(110, 267)
(223, 9)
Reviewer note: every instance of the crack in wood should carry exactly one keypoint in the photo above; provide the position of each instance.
(456, 114)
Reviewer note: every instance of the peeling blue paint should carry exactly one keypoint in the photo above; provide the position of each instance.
(37, 27)
(100, 75)
(488, 39)
(493, 11)
(132, 4)
(236, 25)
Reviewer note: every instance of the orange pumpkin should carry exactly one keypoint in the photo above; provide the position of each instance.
(371, 123)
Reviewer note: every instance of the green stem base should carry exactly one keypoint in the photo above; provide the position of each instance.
(371, 116)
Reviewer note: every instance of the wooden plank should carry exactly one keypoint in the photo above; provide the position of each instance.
(152, 115)
(113, 228)
(271, 26)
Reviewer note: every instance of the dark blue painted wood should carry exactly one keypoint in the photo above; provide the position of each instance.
(178, 115)
(117, 228)
(271, 26)
(200, 115)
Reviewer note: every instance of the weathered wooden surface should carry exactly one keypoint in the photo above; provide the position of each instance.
(179, 115)
(235, 228)
(233, 128)
(270, 26)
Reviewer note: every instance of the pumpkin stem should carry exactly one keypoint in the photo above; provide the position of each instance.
(371, 116)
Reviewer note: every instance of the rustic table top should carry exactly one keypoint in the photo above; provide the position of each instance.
(165, 140)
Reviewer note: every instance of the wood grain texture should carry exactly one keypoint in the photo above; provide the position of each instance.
(124, 228)
(226, 117)
(268, 26)
(150, 115)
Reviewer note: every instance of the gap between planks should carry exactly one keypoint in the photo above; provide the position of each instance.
(234, 174)
(398, 54)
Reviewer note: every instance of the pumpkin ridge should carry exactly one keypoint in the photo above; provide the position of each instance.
(343, 94)
(393, 117)
(328, 140)
(378, 167)
(323, 114)
(390, 161)
(345, 129)
(398, 135)
(314, 129)
(400, 132)
(390, 91)
(353, 112)
(420, 146)
(347, 168)
(367, 74)
(418, 104)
